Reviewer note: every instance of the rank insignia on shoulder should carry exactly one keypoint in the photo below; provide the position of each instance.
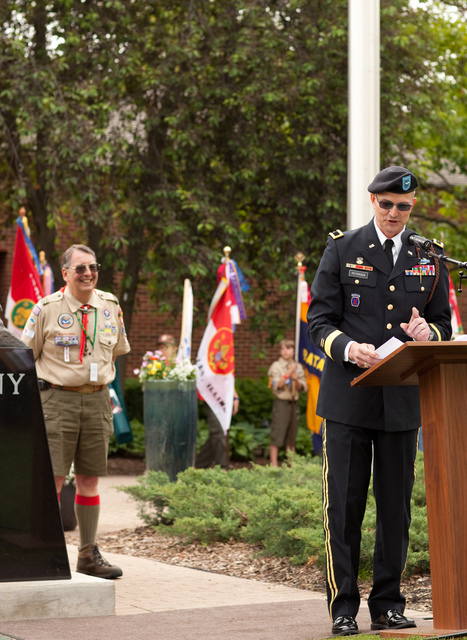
(336, 234)
(438, 243)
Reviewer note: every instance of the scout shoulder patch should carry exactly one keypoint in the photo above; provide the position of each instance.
(106, 295)
(336, 234)
(53, 297)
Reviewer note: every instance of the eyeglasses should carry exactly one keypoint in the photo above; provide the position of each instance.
(81, 268)
(387, 205)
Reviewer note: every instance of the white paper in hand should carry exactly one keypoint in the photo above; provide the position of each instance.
(388, 347)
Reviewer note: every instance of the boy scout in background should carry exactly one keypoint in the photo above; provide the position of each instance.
(287, 379)
(76, 334)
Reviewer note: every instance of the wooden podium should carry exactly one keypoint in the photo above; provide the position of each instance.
(440, 371)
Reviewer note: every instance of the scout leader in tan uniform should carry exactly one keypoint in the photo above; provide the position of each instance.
(76, 334)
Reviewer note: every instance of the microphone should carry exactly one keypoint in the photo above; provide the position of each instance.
(410, 237)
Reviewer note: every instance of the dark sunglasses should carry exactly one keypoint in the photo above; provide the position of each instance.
(387, 205)
(81, 268)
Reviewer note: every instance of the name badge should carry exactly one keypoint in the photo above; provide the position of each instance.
(360, 274)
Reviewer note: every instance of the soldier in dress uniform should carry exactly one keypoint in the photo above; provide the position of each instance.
(372, 284)
(76, 334)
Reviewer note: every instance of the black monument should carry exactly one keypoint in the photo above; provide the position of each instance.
(32, 543)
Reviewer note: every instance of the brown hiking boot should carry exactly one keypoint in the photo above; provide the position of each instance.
(92, 563)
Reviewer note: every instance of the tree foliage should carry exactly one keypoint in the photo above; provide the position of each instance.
(166, 130)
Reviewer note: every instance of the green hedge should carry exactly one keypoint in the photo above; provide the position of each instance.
(208, 504)
(249, 434)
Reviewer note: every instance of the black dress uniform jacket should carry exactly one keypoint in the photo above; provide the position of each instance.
(357, 296)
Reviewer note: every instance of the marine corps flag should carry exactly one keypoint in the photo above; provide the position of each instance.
(312, 360)
(26, 288)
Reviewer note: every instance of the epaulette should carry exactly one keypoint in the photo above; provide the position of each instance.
(438, 243)
(106, 295)
(336, 234)
(53, 297)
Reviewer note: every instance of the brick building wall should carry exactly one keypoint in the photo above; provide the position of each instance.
(147, 325)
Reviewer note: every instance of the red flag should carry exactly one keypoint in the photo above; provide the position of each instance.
(26, 288)
(455, 315)
(216, 361)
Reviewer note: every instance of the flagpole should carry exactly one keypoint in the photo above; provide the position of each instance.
(227, 252)
(299, 257)
(184, 348)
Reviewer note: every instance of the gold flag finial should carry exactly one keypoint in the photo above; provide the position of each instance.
(24, 220)
(227, 251)
(299, 258)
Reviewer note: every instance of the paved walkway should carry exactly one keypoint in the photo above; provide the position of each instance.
(160, 601)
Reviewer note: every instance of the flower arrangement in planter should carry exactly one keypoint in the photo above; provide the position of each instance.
(156, 366)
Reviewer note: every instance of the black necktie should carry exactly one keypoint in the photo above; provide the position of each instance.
(388, 244)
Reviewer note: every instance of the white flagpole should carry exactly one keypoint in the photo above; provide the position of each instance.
(299, 260)
(184, 349)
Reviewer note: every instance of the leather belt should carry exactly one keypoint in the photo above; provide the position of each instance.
(85, 388)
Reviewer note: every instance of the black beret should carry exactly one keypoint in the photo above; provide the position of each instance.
(394, 179)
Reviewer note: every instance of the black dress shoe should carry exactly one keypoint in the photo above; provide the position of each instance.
(392, 619)
(344, 626)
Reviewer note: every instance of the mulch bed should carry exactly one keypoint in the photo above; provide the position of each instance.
(232, 558)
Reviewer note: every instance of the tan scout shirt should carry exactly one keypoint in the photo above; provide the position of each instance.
(54, 332)
(277, 371)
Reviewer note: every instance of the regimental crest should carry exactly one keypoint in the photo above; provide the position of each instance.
(406, 182)
(221, 359)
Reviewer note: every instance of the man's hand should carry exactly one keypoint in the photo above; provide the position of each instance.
(417, 327)
(364, 355)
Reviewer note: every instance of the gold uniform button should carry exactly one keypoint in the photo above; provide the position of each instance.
(392, 288)
(357, 281)
(389, 325)
(422, 288)
(390, 307)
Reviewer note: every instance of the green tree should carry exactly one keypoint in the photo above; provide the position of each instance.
(167, 130)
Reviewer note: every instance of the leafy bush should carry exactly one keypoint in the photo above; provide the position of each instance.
(136, 447)
(277, 508)
(133, 396)
(249, 432)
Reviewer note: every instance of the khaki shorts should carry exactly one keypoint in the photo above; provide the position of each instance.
(280, 421)
(79, 426)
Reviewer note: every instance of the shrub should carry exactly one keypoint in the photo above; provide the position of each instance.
(136, 447)
(276, 508)
(249, 432)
